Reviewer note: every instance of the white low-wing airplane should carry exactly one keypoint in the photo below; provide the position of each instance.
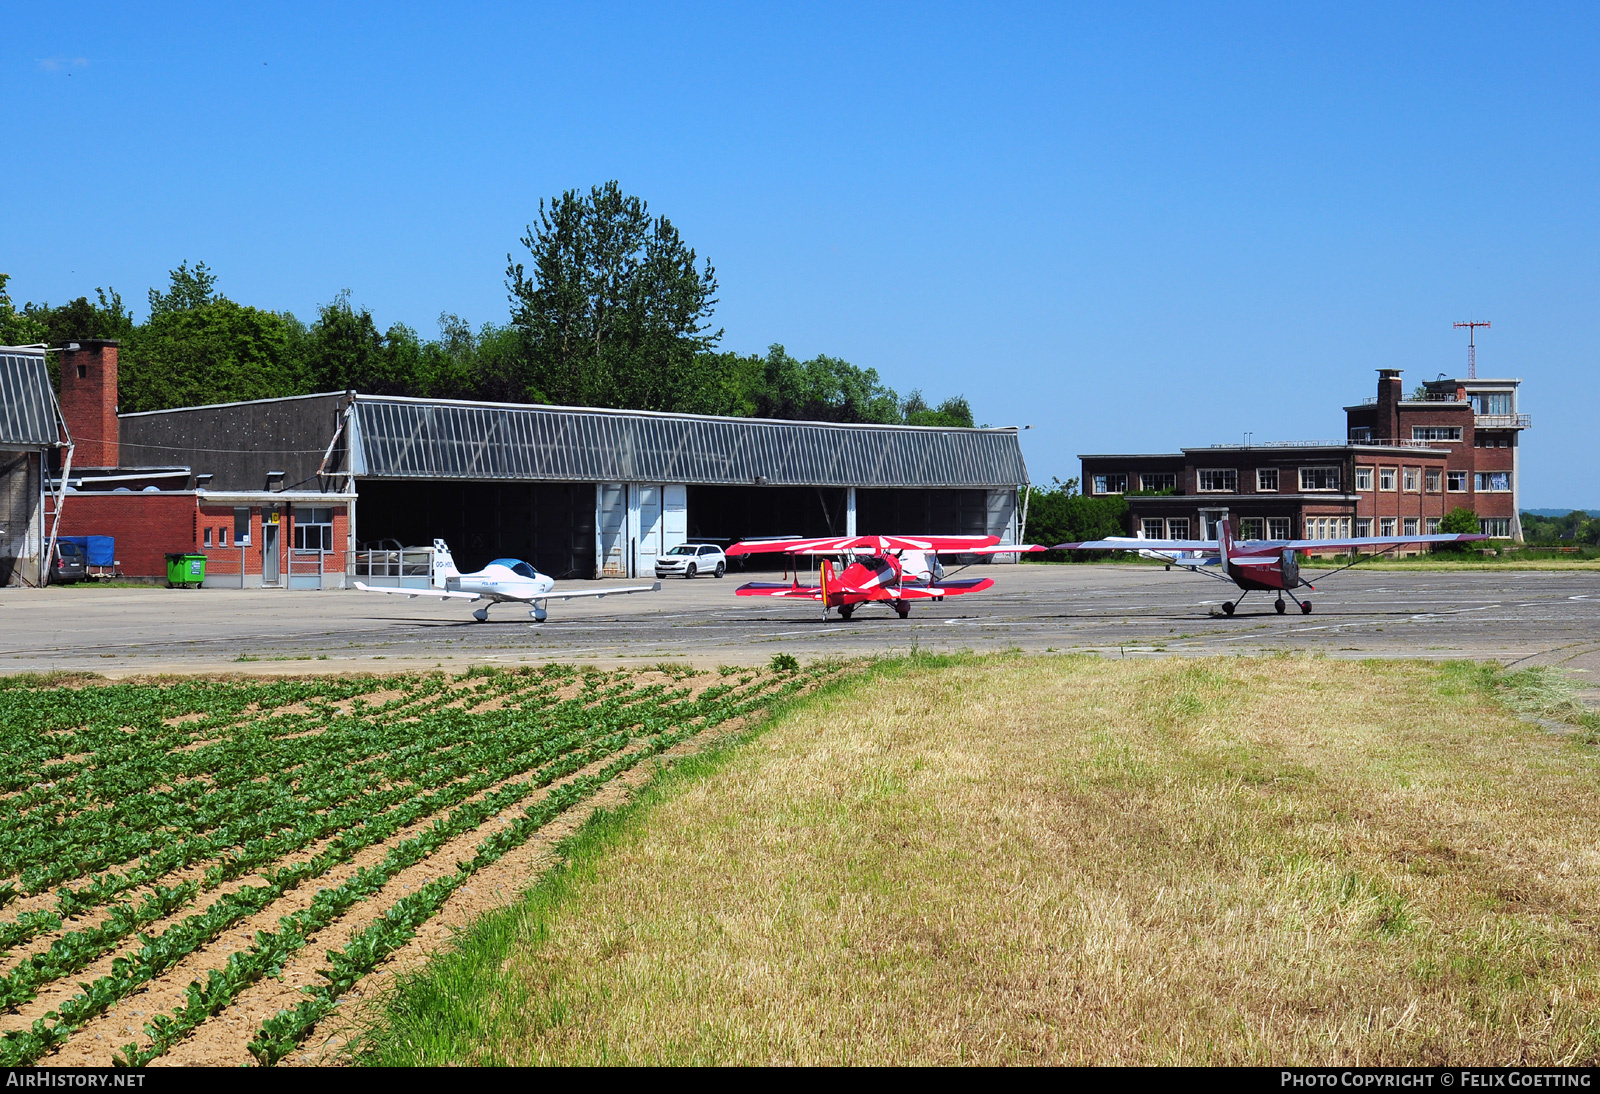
(505, 580)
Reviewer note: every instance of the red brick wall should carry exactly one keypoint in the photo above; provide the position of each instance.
(225, 561)
(89, 403)
(145, 526)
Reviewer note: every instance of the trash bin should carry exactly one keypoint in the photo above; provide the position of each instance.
(185, 570)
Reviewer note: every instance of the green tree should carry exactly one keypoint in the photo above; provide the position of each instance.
(218, 352)
(954, 411)
(1458, 521)
(611, 307)
(1060, 514)
(187, 289)
(17, 328)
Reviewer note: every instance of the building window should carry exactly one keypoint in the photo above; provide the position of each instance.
(1433, 526)
(1219, 480)
(1327, 527)
(1319, 478)
(1178, 528)
(222, 538)
(1491, 402)
(1436, 433)
(1111, 484)
(313, 529)
(207, 542)
(1267, 480)
(1161, 480)
(241, 527)
(1151, 527)
(1279, 528)
(1361, 434)
(1433, 479)
(1363, 478)
(1413, 477)
(1456, 481)
(1499, 527)
(1411, 526)
(1363, 527)
(1386, 477)
(1492, 480)
(1386, 526)
(1252, 528)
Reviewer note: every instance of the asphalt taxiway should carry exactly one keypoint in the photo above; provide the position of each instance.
(1523, 617)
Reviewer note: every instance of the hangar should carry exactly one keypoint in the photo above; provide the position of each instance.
(577, 491)
(30, 431)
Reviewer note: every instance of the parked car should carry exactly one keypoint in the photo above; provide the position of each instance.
(690, 559)
(69, 564)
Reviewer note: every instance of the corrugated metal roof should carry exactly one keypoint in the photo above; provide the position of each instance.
(413, 438)
(27, 401)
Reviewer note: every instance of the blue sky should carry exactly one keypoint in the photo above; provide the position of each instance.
(1131, 231)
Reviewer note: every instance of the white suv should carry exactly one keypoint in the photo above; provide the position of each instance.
(689, 559)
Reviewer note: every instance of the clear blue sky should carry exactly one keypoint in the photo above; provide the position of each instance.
(1132, 231)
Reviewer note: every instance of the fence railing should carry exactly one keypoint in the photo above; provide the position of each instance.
(407, 568)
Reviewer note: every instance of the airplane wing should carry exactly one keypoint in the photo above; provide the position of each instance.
(775, 588)
(944, 588)
(451, 594)
(833, 545)
(828, 545)
(1366, 541)
(656, 588)
(1128, 543)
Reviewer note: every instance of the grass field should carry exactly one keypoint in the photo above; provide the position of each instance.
(198, 872)
(1242, 860)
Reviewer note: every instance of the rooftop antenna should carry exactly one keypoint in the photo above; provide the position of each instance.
(1472, 345)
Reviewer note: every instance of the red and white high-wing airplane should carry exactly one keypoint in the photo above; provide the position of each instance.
(505, 580)
(1272, 565)
(889, 570)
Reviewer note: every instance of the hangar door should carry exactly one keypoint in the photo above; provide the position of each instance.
(637, 523)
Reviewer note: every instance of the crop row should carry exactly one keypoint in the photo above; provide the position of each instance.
(360, 778)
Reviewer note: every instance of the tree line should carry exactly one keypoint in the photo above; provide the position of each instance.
(609, 307)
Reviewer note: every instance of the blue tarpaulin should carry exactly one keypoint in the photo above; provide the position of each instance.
(101, 550)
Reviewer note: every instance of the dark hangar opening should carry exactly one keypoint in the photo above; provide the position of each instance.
(922, 512)
(548, 524)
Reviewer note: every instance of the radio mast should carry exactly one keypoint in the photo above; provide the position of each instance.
(1472, 345)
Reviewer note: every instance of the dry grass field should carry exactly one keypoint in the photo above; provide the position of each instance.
(1021, 860)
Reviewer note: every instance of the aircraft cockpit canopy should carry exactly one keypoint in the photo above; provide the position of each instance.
(516, 566)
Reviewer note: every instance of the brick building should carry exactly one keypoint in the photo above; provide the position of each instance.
(269, 537)
(1403, 465)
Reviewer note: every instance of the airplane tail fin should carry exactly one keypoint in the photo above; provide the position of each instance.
(444, 567)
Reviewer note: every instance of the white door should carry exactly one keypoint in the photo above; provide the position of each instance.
(674, 516)
(649, 530)
(611, 521)
(1209, 519)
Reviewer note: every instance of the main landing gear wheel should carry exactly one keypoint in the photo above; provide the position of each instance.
(902, 609)
(1281, 606)
(481, 615)
(846, 611)
(722, 568)
(689, 571)
(1305, 607)
(1227, 607)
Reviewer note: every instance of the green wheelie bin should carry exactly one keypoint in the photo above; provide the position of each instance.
(185, 571)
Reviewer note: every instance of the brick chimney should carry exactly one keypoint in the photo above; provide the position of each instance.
(89, 401)
(1390, 392)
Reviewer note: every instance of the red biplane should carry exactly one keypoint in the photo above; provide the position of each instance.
(889, 570)
(1269, 565)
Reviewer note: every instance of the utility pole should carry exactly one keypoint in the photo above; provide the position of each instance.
(1472, 345)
